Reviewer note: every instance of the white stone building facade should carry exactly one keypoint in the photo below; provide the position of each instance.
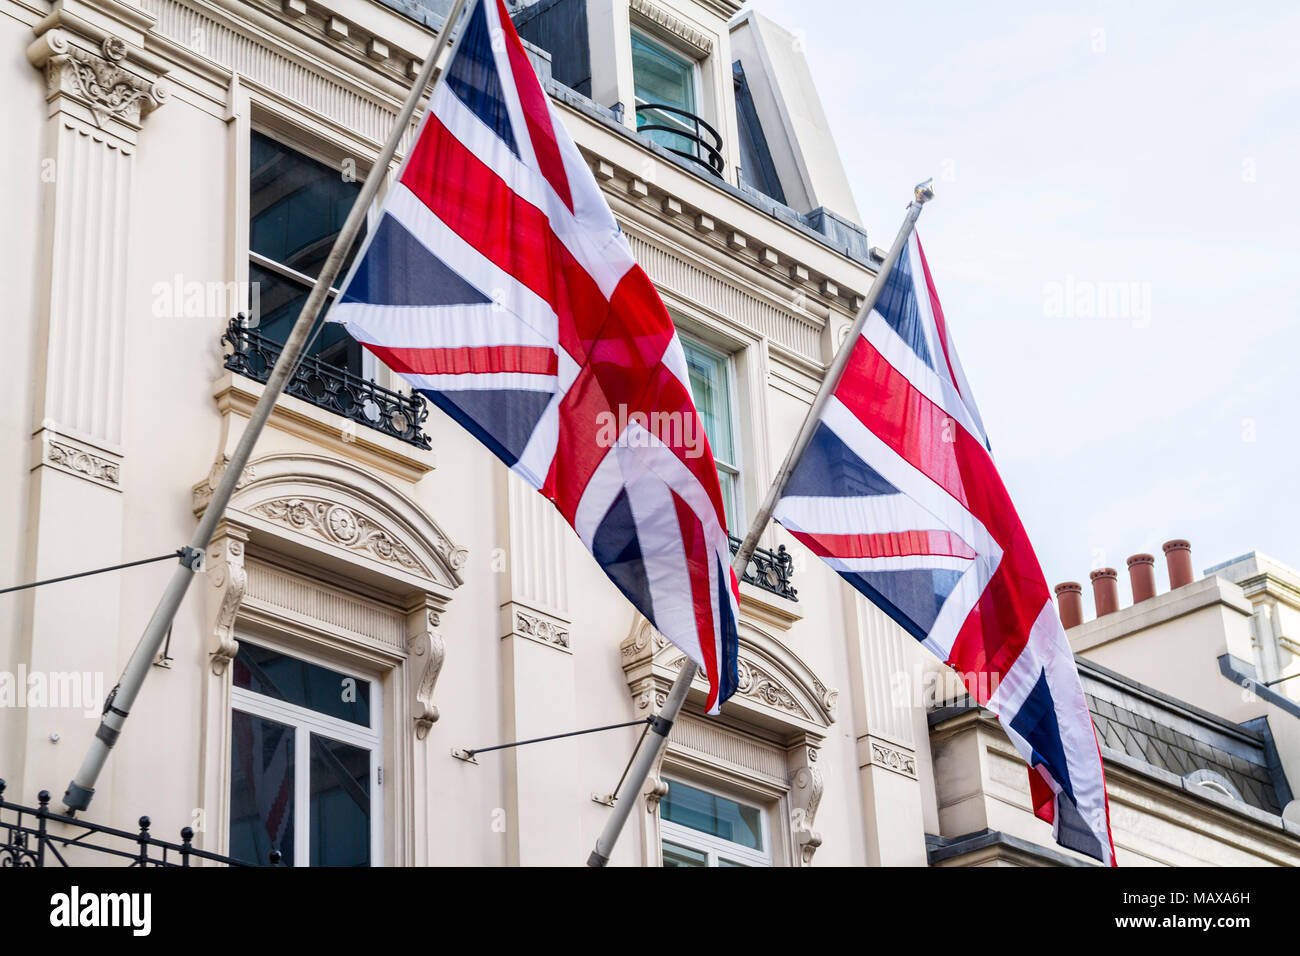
(173, 162)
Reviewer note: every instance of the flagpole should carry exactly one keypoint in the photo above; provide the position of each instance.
(122, 697)
(661, 725)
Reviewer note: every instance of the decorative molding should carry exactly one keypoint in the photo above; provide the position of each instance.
(540, 629)
(806, 788)
(224, 564)
(891, 757)
(427, 650)
(703, 283)
(81, 462)
(519, 620)
(290, 597)
(341, 526)
(101, 81)
(735, 750)
(769, 736)
(700, 41)
(201, 494)
(771, 680)
(312, 502)
(756, 683)
(271, 60)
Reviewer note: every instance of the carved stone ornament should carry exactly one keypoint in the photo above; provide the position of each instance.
(202, 492)
(227, 575)
(893, 758)
(806, 787)
(425, 645)
(341, 526)
(755, 682)
(673, 25)
(541, 629)
(81, 462)
(768, 674)
(98, 80)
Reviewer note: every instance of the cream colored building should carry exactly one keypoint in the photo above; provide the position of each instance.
(172, 162)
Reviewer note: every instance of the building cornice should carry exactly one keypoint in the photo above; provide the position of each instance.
(1205, 593)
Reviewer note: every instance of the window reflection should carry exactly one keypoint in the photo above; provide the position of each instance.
(297, 205)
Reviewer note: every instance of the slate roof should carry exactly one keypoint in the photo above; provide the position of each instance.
(1184, 740)
(1143, 727)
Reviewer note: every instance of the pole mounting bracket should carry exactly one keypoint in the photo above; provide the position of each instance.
(192, 558)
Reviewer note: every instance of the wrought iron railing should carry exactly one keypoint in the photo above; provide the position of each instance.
(331, 388)
(706, 141)
(38, 837)
(769, 570)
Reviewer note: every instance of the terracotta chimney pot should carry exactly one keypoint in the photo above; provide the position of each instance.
(1105, 591)
(1069, 603)
(1142, 577)
(1178, 558)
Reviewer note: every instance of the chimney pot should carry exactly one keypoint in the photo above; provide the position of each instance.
(1178, 558)
(1105, 591)
(1142, 577)
(1069, 603)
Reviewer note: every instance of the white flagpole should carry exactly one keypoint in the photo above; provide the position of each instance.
(122, 697)
(662, 724)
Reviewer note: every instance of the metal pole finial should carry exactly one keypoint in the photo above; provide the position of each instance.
(924, 192)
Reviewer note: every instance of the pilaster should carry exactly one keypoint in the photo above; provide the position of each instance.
(100, 87)
(886, 682)
(539, 691)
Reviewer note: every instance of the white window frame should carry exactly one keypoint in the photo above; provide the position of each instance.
(736, 469)
(697, 78)
(304, 721)
(714, 847)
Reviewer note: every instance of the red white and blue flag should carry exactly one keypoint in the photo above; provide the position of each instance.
(499, 285)
(899, 494)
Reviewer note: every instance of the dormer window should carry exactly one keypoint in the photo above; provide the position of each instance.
(666, 85)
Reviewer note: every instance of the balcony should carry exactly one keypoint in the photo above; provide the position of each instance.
(329, 387)
(771, 571)
(682, 134)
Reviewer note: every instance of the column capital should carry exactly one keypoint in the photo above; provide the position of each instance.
(96, 74)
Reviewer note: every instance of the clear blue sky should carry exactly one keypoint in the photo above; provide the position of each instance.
(1146, 151)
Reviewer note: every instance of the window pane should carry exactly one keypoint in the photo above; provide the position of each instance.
(712, 814)
(675, 855)
(297, 205)
(295, 681)
(727, 482)
(261, 789)
(712, 392)
(340, 803)
(280, 299)
(661, 76)
(709, 386)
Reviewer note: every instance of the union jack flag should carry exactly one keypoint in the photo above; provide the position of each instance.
(898, 493)
(499, 285)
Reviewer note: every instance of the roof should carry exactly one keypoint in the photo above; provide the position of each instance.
(1183, 740)
(1145, 729)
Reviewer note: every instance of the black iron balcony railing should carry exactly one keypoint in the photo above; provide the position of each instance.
(331, 388)
(769, 570)
(38, 837)
(705, 141)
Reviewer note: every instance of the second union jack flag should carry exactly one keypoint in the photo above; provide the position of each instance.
(498, 284)
(899, 494)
